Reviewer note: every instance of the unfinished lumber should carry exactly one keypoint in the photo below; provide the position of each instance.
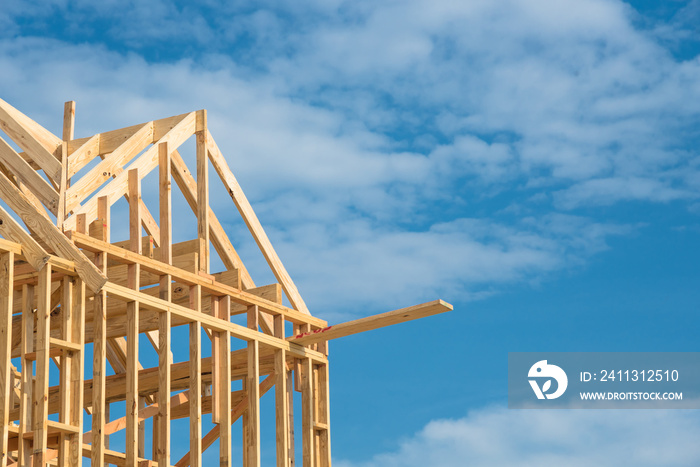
(67, 294)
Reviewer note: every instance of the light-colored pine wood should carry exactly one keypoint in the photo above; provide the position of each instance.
(41, 404)
(7, 261)
(195, 378)
(224, 405)
(110, 167)
(24, 133)
(146, 162)
(31, 250)
(251, 220)
(373, 322)
(99, 349)
(307, 413)
(132, 318)
(214, 310)
(77, 324)
(28, 176)
(69, 351)
(281, 411)
(68, 120)
(81, 156)
(27, 386)
(218, 237)
(56, 303)
(51, 234)
(203, 190)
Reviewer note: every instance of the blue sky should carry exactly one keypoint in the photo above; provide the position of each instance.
(533, 162)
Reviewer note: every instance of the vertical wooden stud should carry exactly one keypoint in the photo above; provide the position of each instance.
(26, 399)
(99, 360)
(225, 459)
(196, 379)
(215, 361)
(66, 369)
(164, 318)
(253, 393)
(307, 412)
(41, 401)
(281, 412)
(203, 190)
(77, 373)
(132, 322)
(7, 261)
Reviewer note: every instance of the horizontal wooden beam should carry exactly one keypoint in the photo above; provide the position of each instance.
(119, 254)
(372, 322)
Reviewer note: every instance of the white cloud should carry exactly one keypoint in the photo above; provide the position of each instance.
(529, 438)
(367, 133)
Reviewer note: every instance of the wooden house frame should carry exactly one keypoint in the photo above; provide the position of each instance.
(70, 296)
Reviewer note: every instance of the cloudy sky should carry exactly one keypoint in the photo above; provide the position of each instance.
(533, 162)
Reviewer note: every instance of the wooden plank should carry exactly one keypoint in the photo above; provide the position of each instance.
(31, 250)
(112, 139)
(132, 316)
(27, 386)
(157, 267)
(24, 132)
(110, 167)
(164, 376)
(290, 407)
(83, 155)
(43, 136)
(216, 360)
(51, 234)
(256, 229)
(77, 372)
(195, 379)
(373, 322)
(281, 412)
(253, 393)
(28, 176)
(236, 330)
(224, 406)
(218, 236)
(203, 190)
(236, 413)
(41, 403)
(323, 423)
(69, 352)
(7, 261)
(62, 186)
(40, 209)
(68, 120)
(99, 370)
(146, 162)
(307, 413)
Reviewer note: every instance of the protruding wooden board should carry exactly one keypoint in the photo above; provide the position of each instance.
(256, 229)
(50, 234)
(372, 322)
(32, 138)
